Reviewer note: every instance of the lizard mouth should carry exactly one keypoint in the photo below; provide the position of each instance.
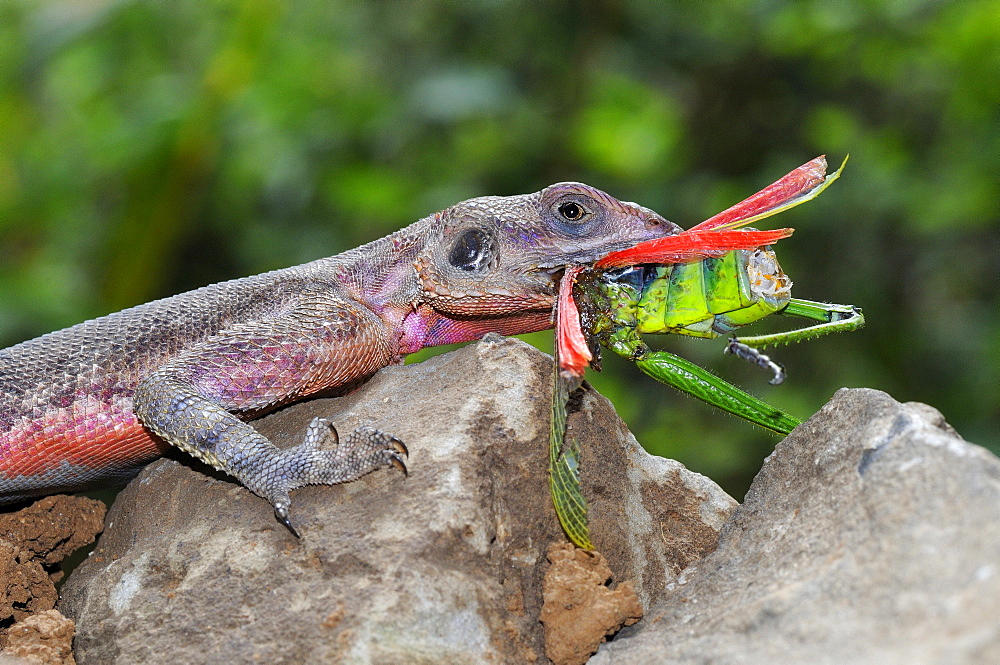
(583, 257)
(552, 271)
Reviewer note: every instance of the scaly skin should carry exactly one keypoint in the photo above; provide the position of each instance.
(91, 404)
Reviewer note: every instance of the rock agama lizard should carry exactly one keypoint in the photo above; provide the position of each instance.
(91, 404)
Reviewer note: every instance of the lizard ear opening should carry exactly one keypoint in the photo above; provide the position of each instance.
(466, 270)
(472, 251)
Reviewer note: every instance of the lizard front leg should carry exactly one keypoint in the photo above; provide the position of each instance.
(191, 401)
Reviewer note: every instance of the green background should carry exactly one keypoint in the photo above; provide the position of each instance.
(147, 148)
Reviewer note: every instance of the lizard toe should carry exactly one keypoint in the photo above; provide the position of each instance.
(320, 433)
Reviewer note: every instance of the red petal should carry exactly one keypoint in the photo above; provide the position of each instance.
(797, 183)
(574, 354)
(690, 246)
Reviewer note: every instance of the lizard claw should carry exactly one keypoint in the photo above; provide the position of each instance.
(399, 446)
(397, 461)
(281, 512)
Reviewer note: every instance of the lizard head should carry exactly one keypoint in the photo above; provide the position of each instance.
(496, 255)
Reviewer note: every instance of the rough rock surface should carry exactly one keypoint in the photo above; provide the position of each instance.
(25, 587)
(871, 535)
(445, 566)
(45, 638)
(579, 610)
(52, 528)
(33, 541)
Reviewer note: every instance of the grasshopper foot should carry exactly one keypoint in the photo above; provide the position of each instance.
(750, 354)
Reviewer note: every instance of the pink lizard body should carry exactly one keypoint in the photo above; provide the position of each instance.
(93, 403)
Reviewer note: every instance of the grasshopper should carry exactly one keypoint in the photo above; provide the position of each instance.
(708, 281)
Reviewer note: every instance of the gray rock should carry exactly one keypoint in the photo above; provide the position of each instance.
(871, 535)
(445, 566)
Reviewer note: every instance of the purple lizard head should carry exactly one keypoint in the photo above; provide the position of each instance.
(494, 255)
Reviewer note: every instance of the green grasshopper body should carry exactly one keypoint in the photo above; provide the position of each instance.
(707, 298)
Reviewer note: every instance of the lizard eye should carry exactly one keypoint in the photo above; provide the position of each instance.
(572, 211)
(472, 251)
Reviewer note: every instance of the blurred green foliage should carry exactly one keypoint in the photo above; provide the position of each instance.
(147, 148)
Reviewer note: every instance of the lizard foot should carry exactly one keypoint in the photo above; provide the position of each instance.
(323, 459)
